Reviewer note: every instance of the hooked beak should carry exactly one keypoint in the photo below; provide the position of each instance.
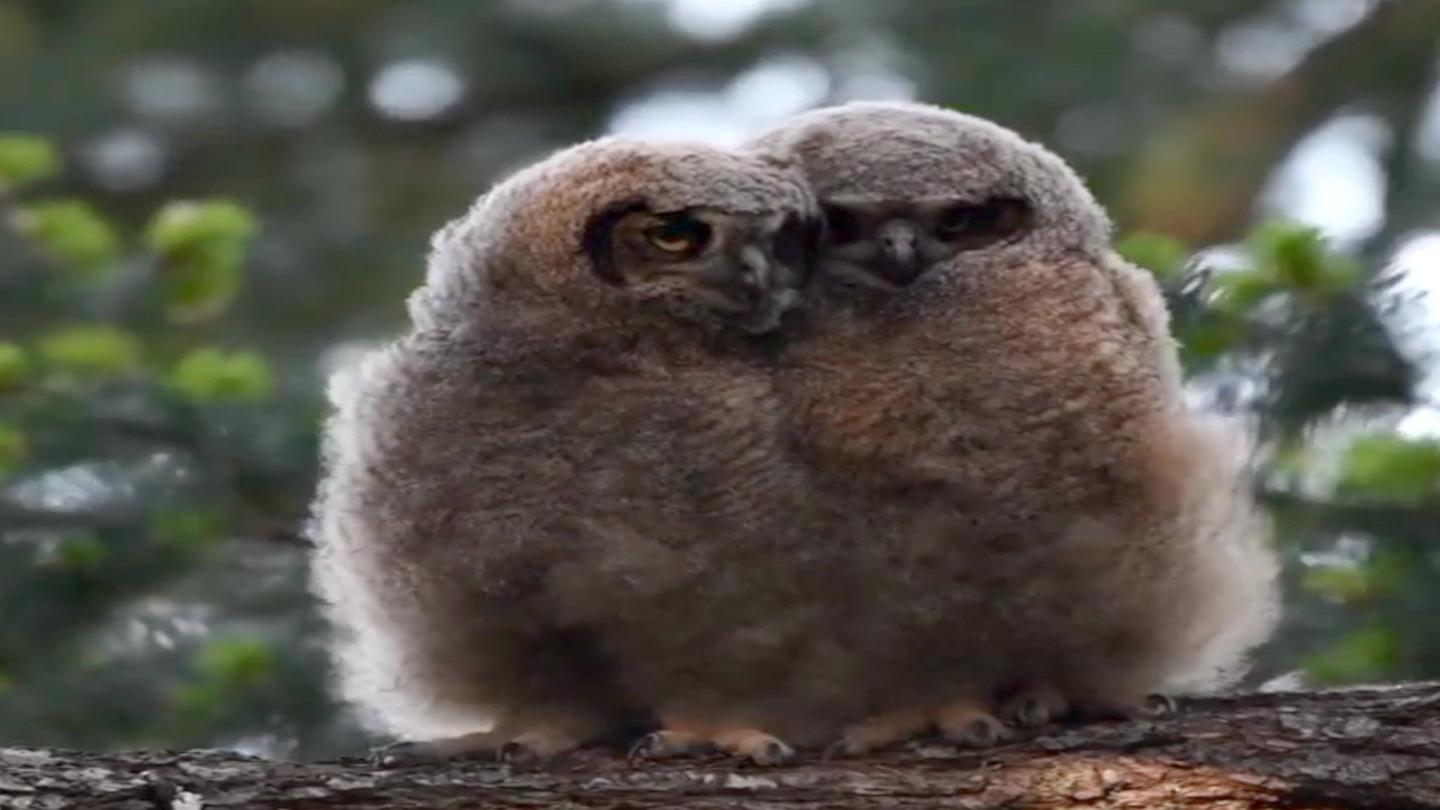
(761, 290)
(899, 261)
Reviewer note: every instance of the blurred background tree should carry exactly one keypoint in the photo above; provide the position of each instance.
(162, 351)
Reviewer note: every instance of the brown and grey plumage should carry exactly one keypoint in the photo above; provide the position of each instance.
(564, 495)
(995, 395)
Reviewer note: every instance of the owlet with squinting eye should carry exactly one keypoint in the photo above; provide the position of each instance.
(995, 396)
(565, 496)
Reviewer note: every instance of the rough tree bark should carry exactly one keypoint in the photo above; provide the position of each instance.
(1364, 748)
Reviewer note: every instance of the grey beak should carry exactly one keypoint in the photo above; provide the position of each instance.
(755, 269)
(899, 253)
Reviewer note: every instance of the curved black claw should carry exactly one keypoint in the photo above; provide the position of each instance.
(1026, 712)
(519, 755)
(1160, 705)
(841, 748)
(982, 732)
(407, 754)
(772, 752)
(1151, 707)
(666, 744)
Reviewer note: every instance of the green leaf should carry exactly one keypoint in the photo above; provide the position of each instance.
(183, 224)
(1360, 582)
(202, 247)
(235, 663)
(6, 682)
(1365, 655)
(81, 552)
(188, 527)
(1345, 584)
(1160, 254)
(71, 233)
(1211, 338)
(26, 159)
(14, 367)
(202, 283)
(91, 351)
(1392, 468)
(212, 375)
(1239, 292)
(13, 448)
(1298, 258)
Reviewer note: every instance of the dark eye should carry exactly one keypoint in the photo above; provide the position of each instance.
(976, 225)
(843, 226)
(679, 235)
(795, 243)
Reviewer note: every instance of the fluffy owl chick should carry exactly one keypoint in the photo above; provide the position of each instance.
(561, 495)
(999, 395)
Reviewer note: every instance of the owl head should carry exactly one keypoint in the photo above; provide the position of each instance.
(906, 188)
(619, 228)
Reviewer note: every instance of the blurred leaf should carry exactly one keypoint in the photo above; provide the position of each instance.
(14, 367)
(1392, 468)
(1211, 338)
(1160, 254)
(1298, 258)
(1239, 292)
(1364, 655)
(13, 448)
(1359, 582)
(202, 246)
(188, 527)
(69, 232)
(181, 225)
(202, 284)
(211, 375)
(1345, 584)
(26, 159)
(91, 351)
(6, 682)
(235, 663)
(224, 668)
(81, 551)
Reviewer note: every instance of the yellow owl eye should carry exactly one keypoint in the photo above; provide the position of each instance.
(679, 235)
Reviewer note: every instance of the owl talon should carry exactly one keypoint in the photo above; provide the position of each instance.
(1026, 712)
(981, 732)
(769, 752)
(669, 745)
(1034, 708)
(519, 755)
(1160, 705)
(433, 752)
(406, 754)
(1151, 707)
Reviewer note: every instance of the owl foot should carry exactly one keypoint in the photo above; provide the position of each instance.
(756, 746)
(968, 724)
(1150, 707)
(880, 731)
(1034, 707)
(536, 747)
(483, 744)
(745, 743)
(963, 722)
(670, 745)
(526, 749)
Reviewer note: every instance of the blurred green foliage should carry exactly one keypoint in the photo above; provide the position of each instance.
(162, 349)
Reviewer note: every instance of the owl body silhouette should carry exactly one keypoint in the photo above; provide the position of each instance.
(564, 496)
(998, 393)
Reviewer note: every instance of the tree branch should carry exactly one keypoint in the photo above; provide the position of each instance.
(1366, 748)
(1219, 156)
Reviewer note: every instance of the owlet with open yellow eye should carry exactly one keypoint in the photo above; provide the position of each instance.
(565, 499)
